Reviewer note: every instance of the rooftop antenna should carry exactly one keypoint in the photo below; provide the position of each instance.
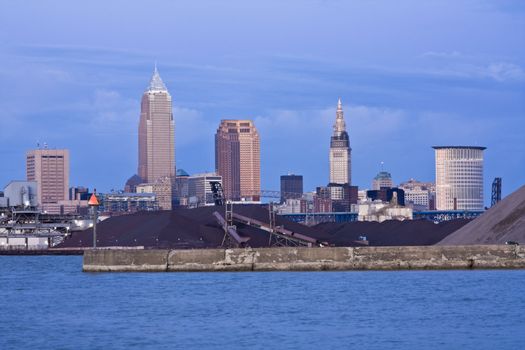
(45, 145)
(382, 166)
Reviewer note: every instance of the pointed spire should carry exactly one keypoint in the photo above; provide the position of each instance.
(156, 83)
(340, 124)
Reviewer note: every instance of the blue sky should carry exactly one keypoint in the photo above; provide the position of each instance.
(412, 74)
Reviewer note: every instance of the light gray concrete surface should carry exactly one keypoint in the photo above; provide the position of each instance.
(307, 259)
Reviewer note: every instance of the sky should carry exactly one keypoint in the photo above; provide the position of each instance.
(411, 74)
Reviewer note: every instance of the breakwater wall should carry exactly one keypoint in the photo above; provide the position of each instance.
(307, 259)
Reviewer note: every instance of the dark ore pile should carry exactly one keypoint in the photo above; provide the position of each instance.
(197, 228)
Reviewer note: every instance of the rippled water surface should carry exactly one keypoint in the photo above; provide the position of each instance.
(48, 303)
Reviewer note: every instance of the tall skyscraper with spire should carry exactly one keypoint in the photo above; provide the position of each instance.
(340, 151)
(156, 132)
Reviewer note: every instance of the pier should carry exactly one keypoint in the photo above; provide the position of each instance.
(307, 259)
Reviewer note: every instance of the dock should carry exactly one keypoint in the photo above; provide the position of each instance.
(306, 259)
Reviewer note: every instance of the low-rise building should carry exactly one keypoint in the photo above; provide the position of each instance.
(144, 188)
(290, 206)
(76, 206)
(180, 188)
(80, 192)
(118, 203)
(382, 179)
(132, 183)
(380, 211)
(21, 194)
(162, 189)
(386, 194)
(419, 195)
(199, 188)
(322, 205)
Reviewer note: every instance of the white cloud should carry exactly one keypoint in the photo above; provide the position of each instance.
(504, 71)
(437, 54)
(457, 64)
(363, 121)
(298, 141)
(112, 113)
(190, 127)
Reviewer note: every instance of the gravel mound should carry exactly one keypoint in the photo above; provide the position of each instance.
(503, 222)
(197, 228)
(388, 233)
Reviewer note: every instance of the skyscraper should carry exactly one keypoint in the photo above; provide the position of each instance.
(50, 169)
(291, 187)
(156, 132)
(340, 151)
(459, 177)
(237, 159)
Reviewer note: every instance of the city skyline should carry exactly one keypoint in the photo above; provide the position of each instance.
(461, 85)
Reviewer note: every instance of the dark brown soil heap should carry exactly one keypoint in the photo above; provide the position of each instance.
(181, 228)
(197, 228)
(388, 233)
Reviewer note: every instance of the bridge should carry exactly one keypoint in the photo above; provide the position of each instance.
(446, 215)
(431, 215)
(317, 218)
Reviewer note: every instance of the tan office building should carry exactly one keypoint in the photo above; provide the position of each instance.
(50, 169)
(156, 133)
(238, 160)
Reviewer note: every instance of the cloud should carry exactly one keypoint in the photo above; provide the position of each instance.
(434, 54)
(190, 127)
(379, 121)
(456, 64)
(108, 112)
(504, 71)
(298, 140)
(498, 71)
(301, 126)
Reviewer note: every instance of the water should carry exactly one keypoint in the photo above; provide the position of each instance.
(48, 303)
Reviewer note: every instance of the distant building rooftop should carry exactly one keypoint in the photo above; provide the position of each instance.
(182, 172)
(469, 147)
(383, 175)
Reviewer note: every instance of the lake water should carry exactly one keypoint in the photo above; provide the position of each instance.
(48, 303)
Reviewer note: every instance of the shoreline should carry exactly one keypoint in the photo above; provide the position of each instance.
(51, 251)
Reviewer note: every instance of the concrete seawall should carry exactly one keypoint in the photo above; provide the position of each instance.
(307, 259)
